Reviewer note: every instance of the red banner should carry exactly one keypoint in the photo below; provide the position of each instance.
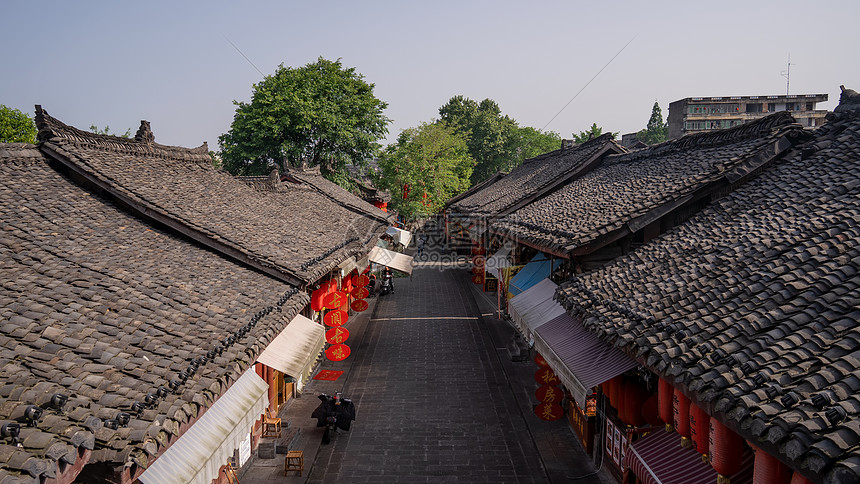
(361, 280)
(359, 305)
(339, 335)
(545, 376)
(548, 394)
(335, 318)
(549, 411)
(540, 361)
(337, 352)
(328, 375)
(334, 300)
(360, 293)
(478, 278)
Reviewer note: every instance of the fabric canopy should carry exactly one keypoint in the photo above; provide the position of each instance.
(539, 268)
(497, 261)
(209, 443)
(534, 307)
(580, 359)
(389, 258)
(347, 266)
(399, 236)
(295, 349)
(658, 458)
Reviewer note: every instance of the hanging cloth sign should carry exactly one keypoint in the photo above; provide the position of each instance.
(548, 394)
(360, 293)
(337, 352)
(359, 305)
(335, 318)
(549, 411)
(334, 300)
(545, 376)
(478, 278)
(336, 335)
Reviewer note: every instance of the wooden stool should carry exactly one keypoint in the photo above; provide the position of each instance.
(294, 461)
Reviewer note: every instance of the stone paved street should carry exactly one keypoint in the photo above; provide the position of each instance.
(438, 398)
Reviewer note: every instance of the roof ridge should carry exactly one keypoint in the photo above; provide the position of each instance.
(755, 129)
(143, 142)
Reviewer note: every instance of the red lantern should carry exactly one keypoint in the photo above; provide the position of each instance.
(548, 394)
(615, 391)
(346, 284)
(337, 352)
(650, 413)
(769, 470)
(359, 305)
(665, 395)
(334, 300)
(545, 376)
(549, 411)
(797, 478)
(317, 299)
(360, 293)
(633, 401)
(336, 335)
(362, 280)
(726, 449)
(540, 361)
(336, 317)
(681, 416)
(699, 429)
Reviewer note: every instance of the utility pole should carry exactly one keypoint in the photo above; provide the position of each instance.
(787, 74)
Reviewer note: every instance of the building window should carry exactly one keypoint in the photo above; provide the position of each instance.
(771, 107)
(754, 108)
(810, 106)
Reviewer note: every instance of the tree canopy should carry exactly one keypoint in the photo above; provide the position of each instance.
(593, 132)
(495, 141)
(656, 131)
(424, 168)
(321, 114)
(16, 127)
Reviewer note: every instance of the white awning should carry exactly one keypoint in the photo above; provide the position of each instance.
(295, 348)
(389, 258)
(399, 236)
(498, 261)
(534, 307)
(201, 451)
(347, 266)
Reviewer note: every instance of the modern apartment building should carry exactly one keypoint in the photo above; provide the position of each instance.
(695, 114)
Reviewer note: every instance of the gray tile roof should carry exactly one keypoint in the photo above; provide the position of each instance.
(104, 308)
(753, 306)
(182, 189)
(535, 177)
(629, 191)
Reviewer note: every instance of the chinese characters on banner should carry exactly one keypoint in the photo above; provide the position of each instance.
(549, 394)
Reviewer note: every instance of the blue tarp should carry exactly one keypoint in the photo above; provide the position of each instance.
(535, 271)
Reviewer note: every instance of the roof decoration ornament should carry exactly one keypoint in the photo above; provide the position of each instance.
(144, 133)
(849, 100)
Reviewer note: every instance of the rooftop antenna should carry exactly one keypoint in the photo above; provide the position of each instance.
(787, 74)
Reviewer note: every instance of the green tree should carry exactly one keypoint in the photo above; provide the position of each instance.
(656, 131)
(527, 142)
(95, 129)
(593, 132)
(16, 127)
(425, 167)
(321, 114)
(495, 141)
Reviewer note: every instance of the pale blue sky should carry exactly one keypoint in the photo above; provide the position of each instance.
(115, 63)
